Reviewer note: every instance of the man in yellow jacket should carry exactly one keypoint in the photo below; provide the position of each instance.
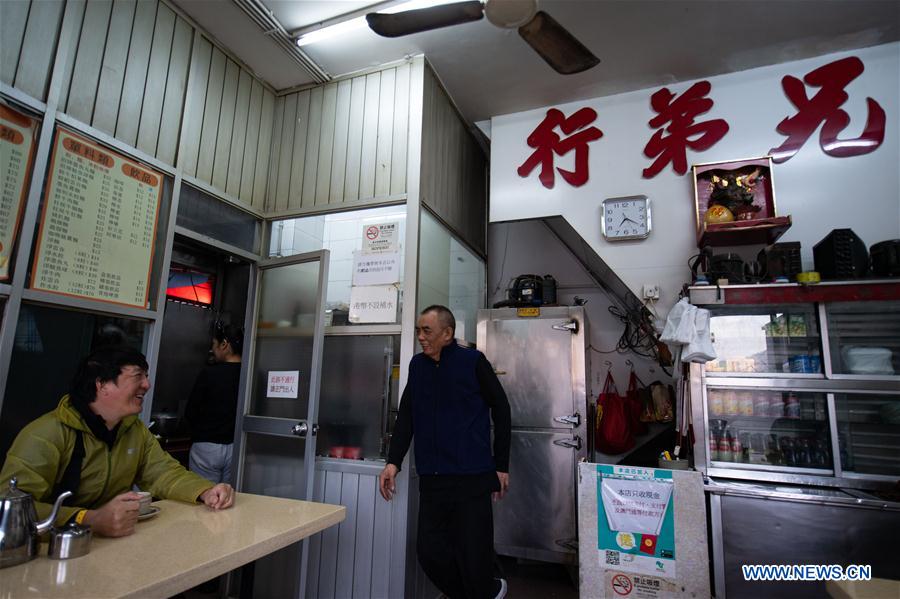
(94, 445)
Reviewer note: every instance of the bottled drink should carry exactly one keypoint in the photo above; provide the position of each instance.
(725, 447)
(737, 452)
(787, 450)
(803, 457)
(713, 447)
(715, 403)
(746, 403)
(773, 452)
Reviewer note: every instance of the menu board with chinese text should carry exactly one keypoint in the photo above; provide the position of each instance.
(17, 133)
(98, 225)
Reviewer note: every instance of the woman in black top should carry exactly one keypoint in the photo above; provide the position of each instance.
(212, 406)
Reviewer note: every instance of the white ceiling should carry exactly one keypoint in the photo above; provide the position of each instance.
(641, 43)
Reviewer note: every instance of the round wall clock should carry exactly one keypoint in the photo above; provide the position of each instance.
(626, 218)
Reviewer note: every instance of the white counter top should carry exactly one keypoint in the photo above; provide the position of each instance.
(178, 549)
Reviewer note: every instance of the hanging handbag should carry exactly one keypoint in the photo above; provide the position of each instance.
(635, 407)
(612, 423)
(663, 409)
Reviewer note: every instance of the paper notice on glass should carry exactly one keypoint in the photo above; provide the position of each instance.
(381, 237)
(376, 269)
(283, 383)
(635, 506)
(16, 153)
(374, 303)
(98, 225)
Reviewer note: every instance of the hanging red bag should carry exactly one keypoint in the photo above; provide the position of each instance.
(612, 432)
(635, 406)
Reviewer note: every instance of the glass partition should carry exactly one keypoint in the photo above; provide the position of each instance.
(765, 339)
(451, 275)
(49, 343)
(356, 396)
(869, 432)
(343, 234)
(864, 337)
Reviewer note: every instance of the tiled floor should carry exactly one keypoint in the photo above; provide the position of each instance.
(538, 580)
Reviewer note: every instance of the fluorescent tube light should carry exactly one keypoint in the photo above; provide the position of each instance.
(356, 23)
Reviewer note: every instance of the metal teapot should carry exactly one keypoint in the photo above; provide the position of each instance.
(19, 528)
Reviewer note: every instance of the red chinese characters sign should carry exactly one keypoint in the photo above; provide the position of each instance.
(547, 144)
(678, 130)
(824, 108)
(683, 132)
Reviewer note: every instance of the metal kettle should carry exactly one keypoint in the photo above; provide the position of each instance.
(19, 528)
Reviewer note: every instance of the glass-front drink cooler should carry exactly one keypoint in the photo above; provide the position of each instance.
(805, 387)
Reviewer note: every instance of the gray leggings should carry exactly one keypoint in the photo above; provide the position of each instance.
(212, 461)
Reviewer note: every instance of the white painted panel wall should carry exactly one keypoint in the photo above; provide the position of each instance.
(819, 192)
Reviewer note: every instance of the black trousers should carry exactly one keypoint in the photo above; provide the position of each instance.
(455, 545)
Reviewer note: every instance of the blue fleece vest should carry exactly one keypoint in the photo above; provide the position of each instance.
(451, 421)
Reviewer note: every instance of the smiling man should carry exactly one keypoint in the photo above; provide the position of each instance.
(450, 399)
(94, 445)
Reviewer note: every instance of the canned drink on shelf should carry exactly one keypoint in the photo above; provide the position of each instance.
(761, 403)
(792, 406)
(776, 405)
(746, 403)
(715, 403)
(730, 407)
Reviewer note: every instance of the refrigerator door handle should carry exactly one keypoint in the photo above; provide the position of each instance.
(571, 326)
(573, 419)
(573, 443)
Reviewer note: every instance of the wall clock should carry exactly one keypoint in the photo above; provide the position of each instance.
(626, 218)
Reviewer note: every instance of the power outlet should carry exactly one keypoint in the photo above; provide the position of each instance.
(651, 292)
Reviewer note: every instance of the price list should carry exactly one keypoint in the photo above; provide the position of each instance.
(98, 225)
(16, 152)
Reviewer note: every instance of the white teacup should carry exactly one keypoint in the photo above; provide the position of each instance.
(145, 499)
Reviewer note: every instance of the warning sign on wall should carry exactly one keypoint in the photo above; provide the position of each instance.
(381, 237)
(637, 586)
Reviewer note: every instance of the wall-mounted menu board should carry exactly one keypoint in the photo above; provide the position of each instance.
(17, 133)
(98, 225)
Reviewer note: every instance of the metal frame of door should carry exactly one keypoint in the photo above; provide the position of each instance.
(304, 428)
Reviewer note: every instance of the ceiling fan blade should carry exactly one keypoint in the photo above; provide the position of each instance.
(556, 45)
(423, 19)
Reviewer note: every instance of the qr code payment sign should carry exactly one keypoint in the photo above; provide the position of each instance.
(612, 558)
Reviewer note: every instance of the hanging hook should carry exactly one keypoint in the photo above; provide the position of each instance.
(608, 363)
(630, 363)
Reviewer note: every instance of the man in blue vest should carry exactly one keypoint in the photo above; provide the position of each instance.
(451, 396)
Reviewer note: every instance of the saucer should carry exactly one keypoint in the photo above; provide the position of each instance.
(153, 511)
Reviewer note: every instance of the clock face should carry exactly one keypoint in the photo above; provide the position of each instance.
(626, 218)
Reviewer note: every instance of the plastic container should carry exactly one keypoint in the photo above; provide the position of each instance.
(867, 360)
(674, 464)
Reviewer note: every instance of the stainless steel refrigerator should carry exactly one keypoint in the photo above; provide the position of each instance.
(541, 360)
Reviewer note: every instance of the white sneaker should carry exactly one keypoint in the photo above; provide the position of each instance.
(503, 588)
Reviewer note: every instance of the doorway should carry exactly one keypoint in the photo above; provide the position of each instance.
(205, 285)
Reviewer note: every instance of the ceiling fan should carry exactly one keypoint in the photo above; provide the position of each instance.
(547, 37)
